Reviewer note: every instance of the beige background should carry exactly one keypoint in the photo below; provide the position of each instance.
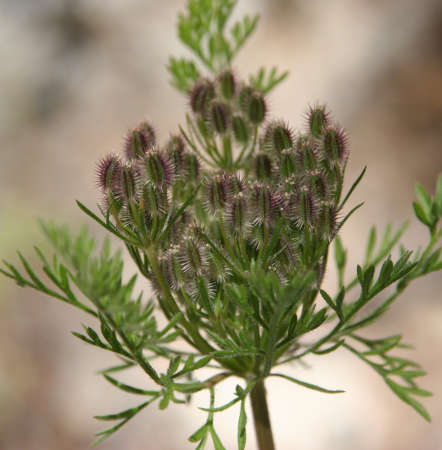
(76, 74)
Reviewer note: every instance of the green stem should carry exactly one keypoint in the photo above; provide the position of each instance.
(261, 417)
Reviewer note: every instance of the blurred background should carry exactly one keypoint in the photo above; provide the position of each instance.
(75, 75)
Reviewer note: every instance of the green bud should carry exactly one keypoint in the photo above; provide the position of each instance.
(227, 84)
(263, 166)
(240, 129)
(257, 108)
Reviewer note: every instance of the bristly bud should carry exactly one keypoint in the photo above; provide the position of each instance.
(139, 141)
(128, 183)
(237, 213)
(257, 108)
(317, 120)
(335, 144)
(227, 84)
(201, 95)
(288, 165)
(191, 167)
(307, 153)
(327, 219)
(175, 150)
(219, 117)
(245, 95)
(306, 208)
(278, 137)
(266, 204)
(235, 184)
(263, 167)
(216, 193)
(155, 199)
(157, 168)
(193, 256)
(108, 172)
(240, 129)
(319, 185)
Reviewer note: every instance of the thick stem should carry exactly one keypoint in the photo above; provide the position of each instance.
(261, 417)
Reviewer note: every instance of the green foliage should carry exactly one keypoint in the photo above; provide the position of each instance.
(231, 223)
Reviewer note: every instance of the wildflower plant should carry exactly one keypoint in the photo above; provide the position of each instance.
(231, 221)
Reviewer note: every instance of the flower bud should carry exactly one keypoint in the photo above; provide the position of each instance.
(237, 213)
(201, 95)
(139, 141)
(335, 144)
(216, 193)
(245, 95)
(287, 163)
(193, 256)
(128, 183)
(327, 220)
(219, 117)
(157, 167)
(278, 137)
(266, 204)
(175, 151)
(108, 172)
(263, 166)
(155, 199)
(307, 153)
(227, 84)
(319, 186)
(306, 208)
(257, 108)
(191, 167)
(234, 184)
(317, 120)
(240, 129)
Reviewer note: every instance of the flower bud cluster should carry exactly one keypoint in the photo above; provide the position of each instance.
(226, 107)
(287, 199)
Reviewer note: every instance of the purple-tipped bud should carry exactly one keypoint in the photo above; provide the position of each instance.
(235, 184)
(257, 108)
(277, 137)
(317, 120)
(219, 117)
(240, 129)
(245, 95)
(227, 84)
(263, 166)
(288, 165)
(307, 153)
(319, 185)
(335, 144)
(193, 256)
(139, 141)
(175, 151)
(306, 209)
(155, 199)
(327, 220)
(237, 213)
(128, 183)
(266, 204)
(201, 95)
(108, 172)
(216, 193)
(157, 168)
(191, 167)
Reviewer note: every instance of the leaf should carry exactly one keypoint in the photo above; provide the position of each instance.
(353, 187)
(401, 392)
(305, 384)
(216, 440)
(242, 423)
(127, 388)
(199, 434)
